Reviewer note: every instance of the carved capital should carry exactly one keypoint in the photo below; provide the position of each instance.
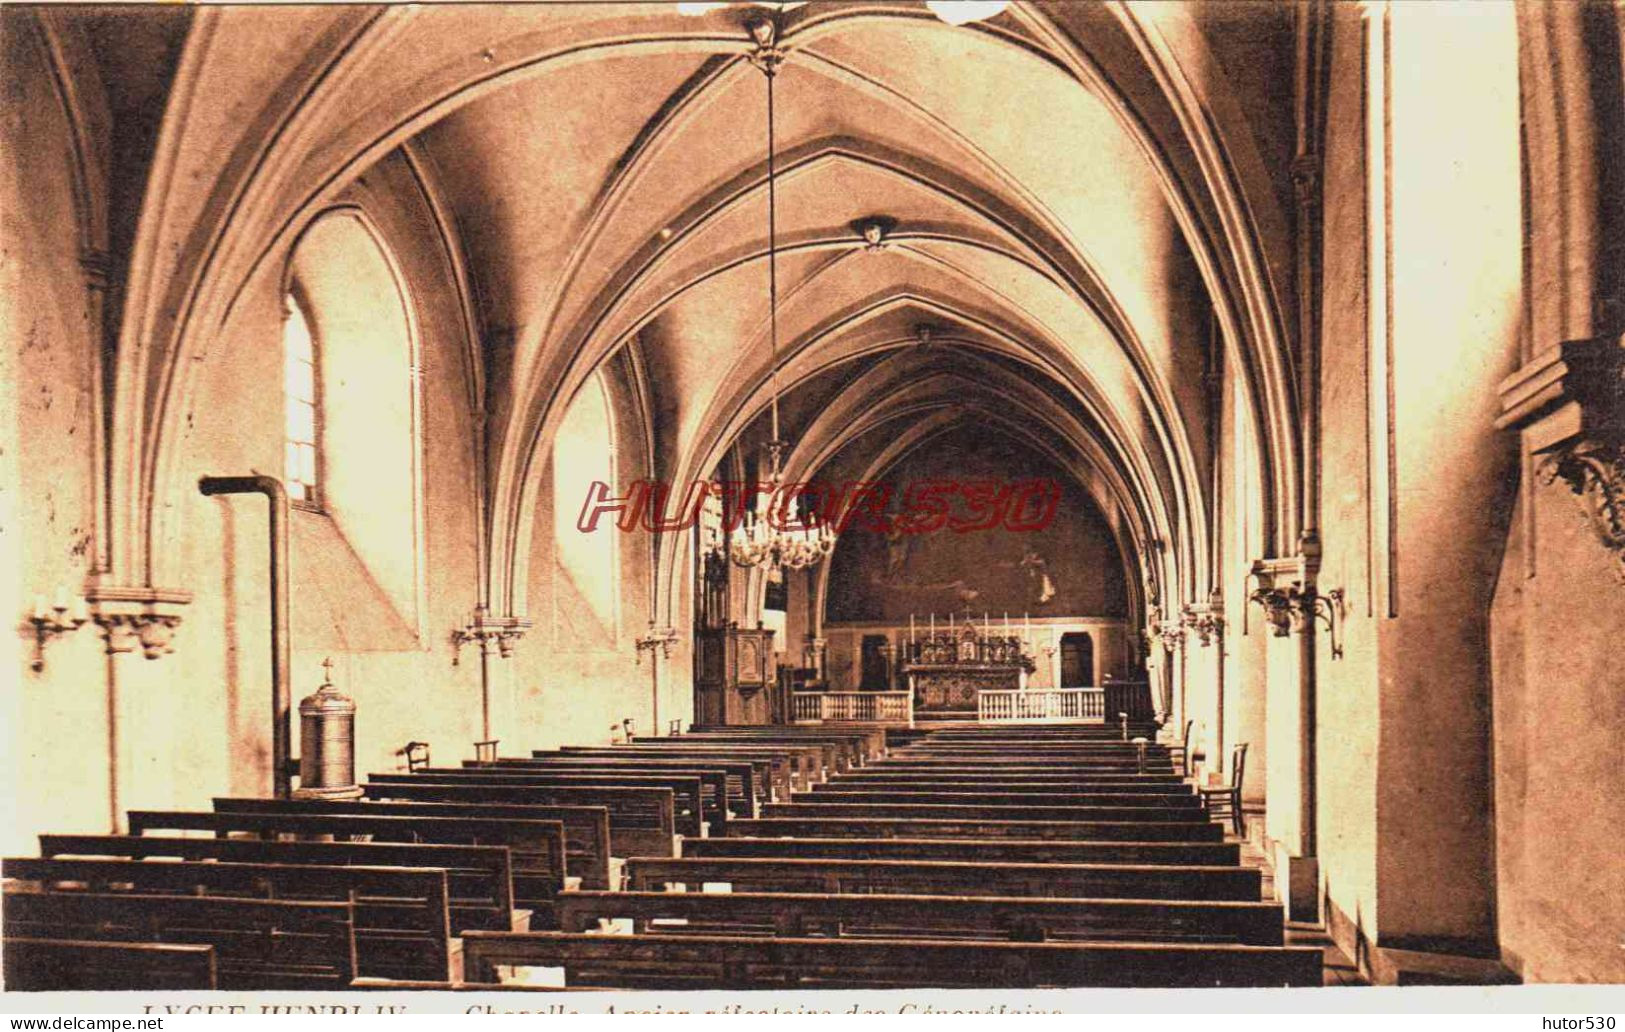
(1568, 403)
(1206, 620)
(1595, 472)
(137, 617)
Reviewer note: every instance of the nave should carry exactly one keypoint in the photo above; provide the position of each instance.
(754, 858)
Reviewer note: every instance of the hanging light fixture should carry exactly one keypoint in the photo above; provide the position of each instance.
(780, 538)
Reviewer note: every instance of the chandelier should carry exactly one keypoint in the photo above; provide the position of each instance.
(773, 537)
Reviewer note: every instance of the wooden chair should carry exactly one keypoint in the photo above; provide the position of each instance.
(1183, 750)
(1226, 799)
(417, 755)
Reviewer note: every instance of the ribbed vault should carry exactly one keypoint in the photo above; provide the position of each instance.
(1072, 227)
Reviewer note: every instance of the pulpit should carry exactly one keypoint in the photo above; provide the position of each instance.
(734, 676)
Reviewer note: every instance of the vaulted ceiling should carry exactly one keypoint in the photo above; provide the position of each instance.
(622, 203)
(1081, 200)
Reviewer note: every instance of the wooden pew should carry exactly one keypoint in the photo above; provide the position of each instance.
(708, 799)
(707, 962)
(67, 965)
(748, 782)
(1037, 783)
(792, 767)
(642, 821)
(869, 741)
(824, 826)
(1013, 764)
(479, 879)
(258, 944)
(993, 795)
(1149, 815)
(775, 773)
(537, 847)
(839, 753)
(983, 850)
(947, 878)
(810, 761)
(586, 828)
(402, 928)
(1011, 918)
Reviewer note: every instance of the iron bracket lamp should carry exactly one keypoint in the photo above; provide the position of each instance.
(52, 622)
(663, 640)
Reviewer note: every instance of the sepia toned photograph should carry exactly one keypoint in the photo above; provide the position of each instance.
(791, 499)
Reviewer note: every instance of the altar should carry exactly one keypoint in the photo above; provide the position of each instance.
(945, 671)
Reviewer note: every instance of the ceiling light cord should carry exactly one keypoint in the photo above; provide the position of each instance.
(772, 259)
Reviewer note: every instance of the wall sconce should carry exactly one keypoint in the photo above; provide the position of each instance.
(1332, 614)
(51, 622)
(663, 640)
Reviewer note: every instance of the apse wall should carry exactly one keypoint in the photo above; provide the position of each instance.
(1070, 568)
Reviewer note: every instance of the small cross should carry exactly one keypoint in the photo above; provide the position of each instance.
(327, 670)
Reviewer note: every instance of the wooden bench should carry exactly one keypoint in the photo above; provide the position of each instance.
(1099, 814)
(822, 825)
(984, 850)
(715, 962)
(1009, 764)
(993, 795)
(1011, 918)
(708, 799)
(258, 944)
(642, 821)
(871, 738)
(946, 878)
(479, 879)
(586, 828)
(537, 847)
(790, 768)
(748, 782)
(860, 744)
(68, 965)
(836, 754)
(402, 928)
(1036, 783)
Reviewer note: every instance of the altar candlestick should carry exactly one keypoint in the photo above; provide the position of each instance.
(933, 626)
(1007, 625)
(1026, 627)
(911, 628)
(950, 621)
(987, 628)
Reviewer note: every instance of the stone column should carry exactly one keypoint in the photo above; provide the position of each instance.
(1286, 593)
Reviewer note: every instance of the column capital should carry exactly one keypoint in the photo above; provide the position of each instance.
(132, 617)
(1568, 405)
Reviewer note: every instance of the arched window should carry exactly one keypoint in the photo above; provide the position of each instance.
(353, 450)
(587, 566)
(301, 386)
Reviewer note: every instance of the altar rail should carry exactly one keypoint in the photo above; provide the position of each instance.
(853, 707)
(1085, 705)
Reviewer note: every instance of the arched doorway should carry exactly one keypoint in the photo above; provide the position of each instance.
(1077, 660)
